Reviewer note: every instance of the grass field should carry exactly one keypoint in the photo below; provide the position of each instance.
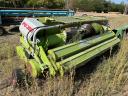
(107, 77)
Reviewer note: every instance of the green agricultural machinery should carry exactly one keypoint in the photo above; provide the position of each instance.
(55, 45)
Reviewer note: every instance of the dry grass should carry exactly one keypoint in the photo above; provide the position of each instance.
(108, 79)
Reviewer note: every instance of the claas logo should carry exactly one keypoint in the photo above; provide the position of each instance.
(27, 26)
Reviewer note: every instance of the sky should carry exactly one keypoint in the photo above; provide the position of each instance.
(118, 1)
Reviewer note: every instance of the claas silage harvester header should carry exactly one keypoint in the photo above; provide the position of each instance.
(55, 45)
(58, 44)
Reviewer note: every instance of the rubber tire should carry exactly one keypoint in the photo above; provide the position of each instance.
(18, 78)
(1, 31)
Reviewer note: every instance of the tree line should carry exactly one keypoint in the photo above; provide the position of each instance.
(32, 3)
(83, 5)
(99, 6)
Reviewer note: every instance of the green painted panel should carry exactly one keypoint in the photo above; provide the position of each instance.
(81, 58)
(74, 48)
(73, 19)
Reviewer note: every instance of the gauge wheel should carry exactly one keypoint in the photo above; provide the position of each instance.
(1, 31)
(18, 78)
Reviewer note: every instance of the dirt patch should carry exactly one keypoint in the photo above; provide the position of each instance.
(110, 15)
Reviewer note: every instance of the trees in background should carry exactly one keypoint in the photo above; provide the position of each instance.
(45, 3)
(126, 9)
(83, 5)
(33, 3)
(99, 6)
